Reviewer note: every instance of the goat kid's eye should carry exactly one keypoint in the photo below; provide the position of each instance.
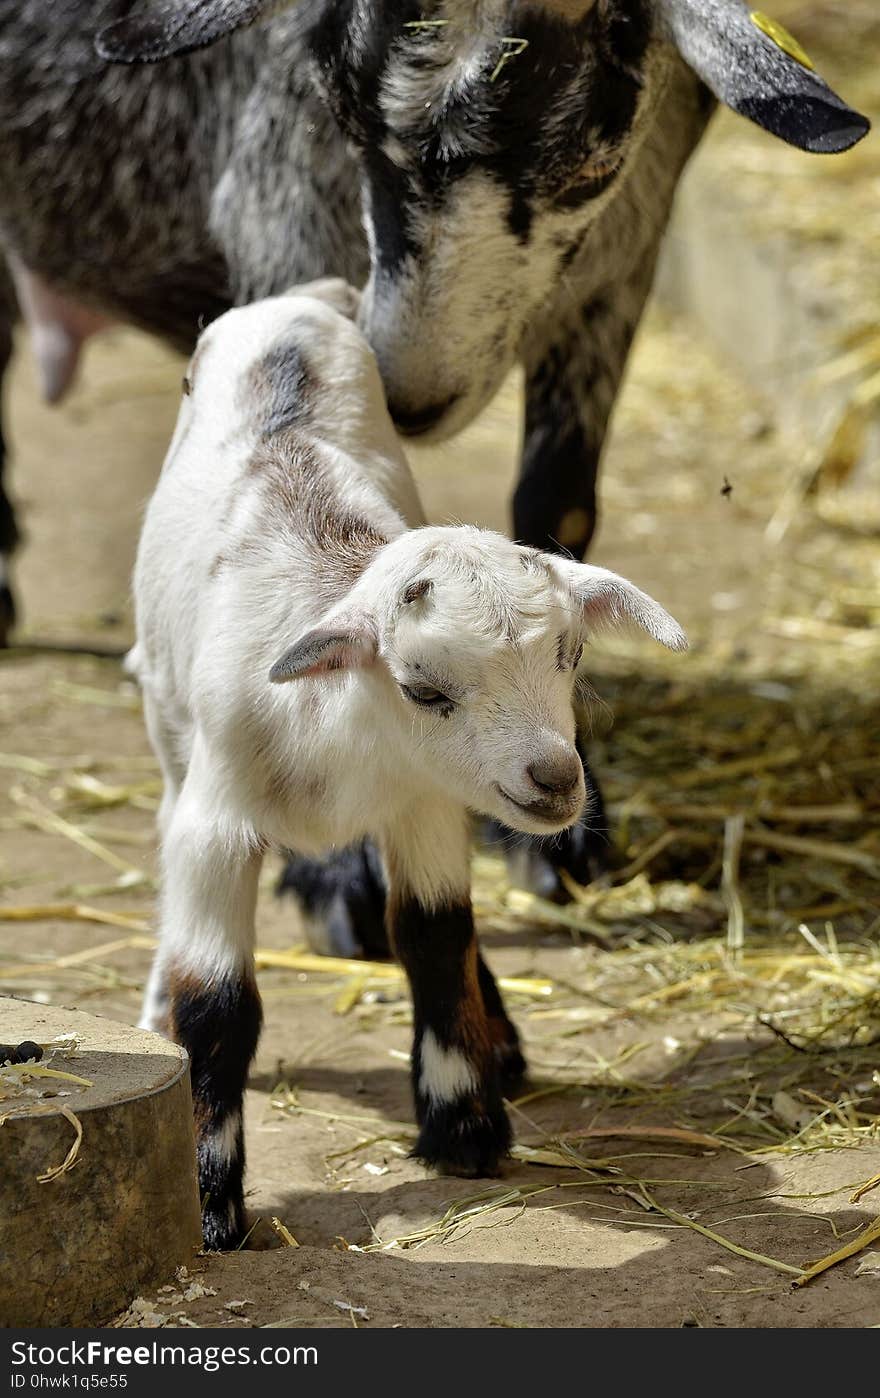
(428, 698)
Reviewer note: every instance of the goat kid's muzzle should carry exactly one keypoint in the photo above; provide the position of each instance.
(556, 812)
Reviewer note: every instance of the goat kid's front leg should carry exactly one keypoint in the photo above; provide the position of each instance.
(206, 969)
(463, 1126)
(343, 898)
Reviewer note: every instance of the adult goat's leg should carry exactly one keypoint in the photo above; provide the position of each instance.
(571, 387)
(574, 357)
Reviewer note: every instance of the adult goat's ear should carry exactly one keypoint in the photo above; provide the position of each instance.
(158, 29)
(753, 65)
(348, 646)
(610, 601)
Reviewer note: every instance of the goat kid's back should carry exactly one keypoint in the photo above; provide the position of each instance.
(283, 475)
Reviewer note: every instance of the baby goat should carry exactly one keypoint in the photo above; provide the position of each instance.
(316, 670)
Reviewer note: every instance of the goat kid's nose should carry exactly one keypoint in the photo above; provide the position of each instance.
(556, 776)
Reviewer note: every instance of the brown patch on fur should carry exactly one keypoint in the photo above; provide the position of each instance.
(301, 500)
(573, 11)
(472, 1023)
(188, 988)
(575, 526)
(394, 894)
(499, 1032)
(179, 986)
(179, 983)
(416, 591)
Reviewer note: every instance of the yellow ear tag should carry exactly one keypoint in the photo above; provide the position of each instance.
(782, 39)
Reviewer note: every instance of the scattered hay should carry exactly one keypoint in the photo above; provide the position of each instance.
(72, 1155)
(283, 1233)
(36, 814)
(870, 1235)
(52, 1172)
(24, 1087)
(684, 1221)
(459, 1219)
(22, 1072)
(363, 972)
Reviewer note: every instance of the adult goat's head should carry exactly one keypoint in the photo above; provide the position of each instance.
(491, 134)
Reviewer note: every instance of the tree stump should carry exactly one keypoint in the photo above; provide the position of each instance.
(98, 1189)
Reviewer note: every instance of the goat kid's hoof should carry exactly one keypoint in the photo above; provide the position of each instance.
(222, 1231)
(456, 1140)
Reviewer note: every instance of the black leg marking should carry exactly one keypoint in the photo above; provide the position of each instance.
(218, 1024)
(463, 1125)
(571, 390)
(554, 505)
(502, 1033)
(343, 898)
(571, 387)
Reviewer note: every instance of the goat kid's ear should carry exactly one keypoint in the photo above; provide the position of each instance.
(161, 29)
(753, 65)
(611, 601)
(323, 651)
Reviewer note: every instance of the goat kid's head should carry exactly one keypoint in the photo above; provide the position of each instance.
(490, 134)
(475, 643)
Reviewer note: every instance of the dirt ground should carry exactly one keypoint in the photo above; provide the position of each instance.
(678, 1082)
(328, 1112)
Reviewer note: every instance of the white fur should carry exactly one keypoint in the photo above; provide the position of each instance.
(446, 1074)
(328, 759)
(222, 1140)
(154, 1011)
